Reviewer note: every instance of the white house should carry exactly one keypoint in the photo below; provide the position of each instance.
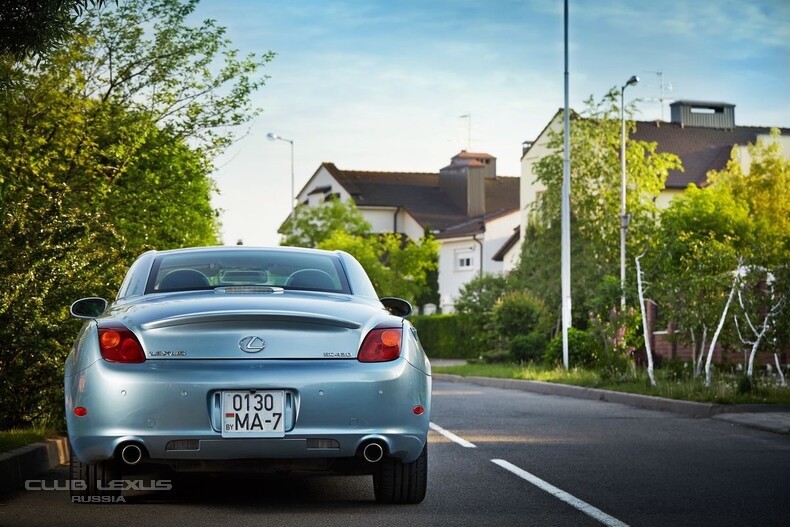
(471, 211)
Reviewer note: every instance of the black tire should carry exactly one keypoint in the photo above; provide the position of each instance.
(89, 482)
(402, 483)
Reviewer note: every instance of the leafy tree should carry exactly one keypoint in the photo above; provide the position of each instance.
(310, 226)
(595, 206)
(430, 294)
(596, 179)
(34, 27)
(740, 221)
(397, 266)
(583, 350)
(702, 235)
(520, 312)
(105, 151)
(523, 324)
(475, 305)
(764, 189)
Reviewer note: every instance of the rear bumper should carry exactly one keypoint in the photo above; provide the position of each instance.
(157, 403)
(92, 449)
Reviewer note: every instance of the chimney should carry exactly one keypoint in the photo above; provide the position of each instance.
(719, 115)
(464, 180)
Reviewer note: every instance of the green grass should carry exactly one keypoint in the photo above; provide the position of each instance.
(11, 439)
(501, 371)
(725, 388)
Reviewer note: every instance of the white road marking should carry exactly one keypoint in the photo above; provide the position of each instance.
(451, 436)
(585, 507)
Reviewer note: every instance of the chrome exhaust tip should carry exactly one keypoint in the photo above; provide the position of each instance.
(373, 452)
(131, 454)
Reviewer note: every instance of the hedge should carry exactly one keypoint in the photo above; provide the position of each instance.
(444, 336)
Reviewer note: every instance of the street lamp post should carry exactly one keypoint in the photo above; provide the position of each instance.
(624, 217)
(274, 137)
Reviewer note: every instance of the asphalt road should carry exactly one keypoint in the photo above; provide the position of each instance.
(501, 458)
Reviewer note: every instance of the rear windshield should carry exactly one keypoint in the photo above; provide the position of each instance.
(202, 270)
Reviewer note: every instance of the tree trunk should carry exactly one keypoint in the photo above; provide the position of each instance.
(718, 330)
(645, 329)
(779, 369)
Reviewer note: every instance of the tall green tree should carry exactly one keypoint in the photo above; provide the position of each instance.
(106, 149)
(702, 235)
(595, 206)
(739, 221)
(759, 177)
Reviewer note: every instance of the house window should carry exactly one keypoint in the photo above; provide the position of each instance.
(464, 260)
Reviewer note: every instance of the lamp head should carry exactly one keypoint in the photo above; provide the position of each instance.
(633, 80)
(272, 136)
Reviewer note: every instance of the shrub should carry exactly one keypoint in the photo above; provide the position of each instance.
(496, 357)
(745, 384)
(475, 308)
(582, 349)
(520, 313)
(528, 348)
(521, 325)
(677, 369)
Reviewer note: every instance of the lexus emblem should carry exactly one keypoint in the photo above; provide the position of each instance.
(252, 344)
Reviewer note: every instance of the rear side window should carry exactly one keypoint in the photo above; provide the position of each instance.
(236, 267)
(135, 281)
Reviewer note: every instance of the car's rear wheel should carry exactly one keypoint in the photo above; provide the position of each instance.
(90, 482)
(398, 482)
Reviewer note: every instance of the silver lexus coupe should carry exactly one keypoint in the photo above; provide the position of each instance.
(237, 358)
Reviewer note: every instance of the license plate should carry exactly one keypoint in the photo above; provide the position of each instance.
(253, 413)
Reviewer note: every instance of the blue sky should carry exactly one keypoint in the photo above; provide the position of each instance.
(381, 85)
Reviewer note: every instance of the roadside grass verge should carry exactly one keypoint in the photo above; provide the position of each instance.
(725, 388)
(16, 438)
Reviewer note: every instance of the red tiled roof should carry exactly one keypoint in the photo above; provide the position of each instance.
(472, 155)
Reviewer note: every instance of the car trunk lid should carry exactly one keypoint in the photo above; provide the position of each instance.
(291, 325)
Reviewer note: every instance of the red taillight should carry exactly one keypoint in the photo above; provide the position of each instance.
(118, 344)
(80, 411)
(380, 345)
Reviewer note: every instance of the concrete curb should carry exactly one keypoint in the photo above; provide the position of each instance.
(29, 461)
(748, 414)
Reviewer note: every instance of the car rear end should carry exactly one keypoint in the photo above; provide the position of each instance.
(212, 360)
(198, 395)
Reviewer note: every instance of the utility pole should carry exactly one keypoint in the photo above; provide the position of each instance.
(565, 234)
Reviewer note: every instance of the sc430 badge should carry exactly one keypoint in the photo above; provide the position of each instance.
(167, 353)
(337, 355)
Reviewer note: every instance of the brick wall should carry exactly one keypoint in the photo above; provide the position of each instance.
(664, 348)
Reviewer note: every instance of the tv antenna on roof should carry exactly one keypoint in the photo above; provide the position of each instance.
(468, 117)
(662, 87)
